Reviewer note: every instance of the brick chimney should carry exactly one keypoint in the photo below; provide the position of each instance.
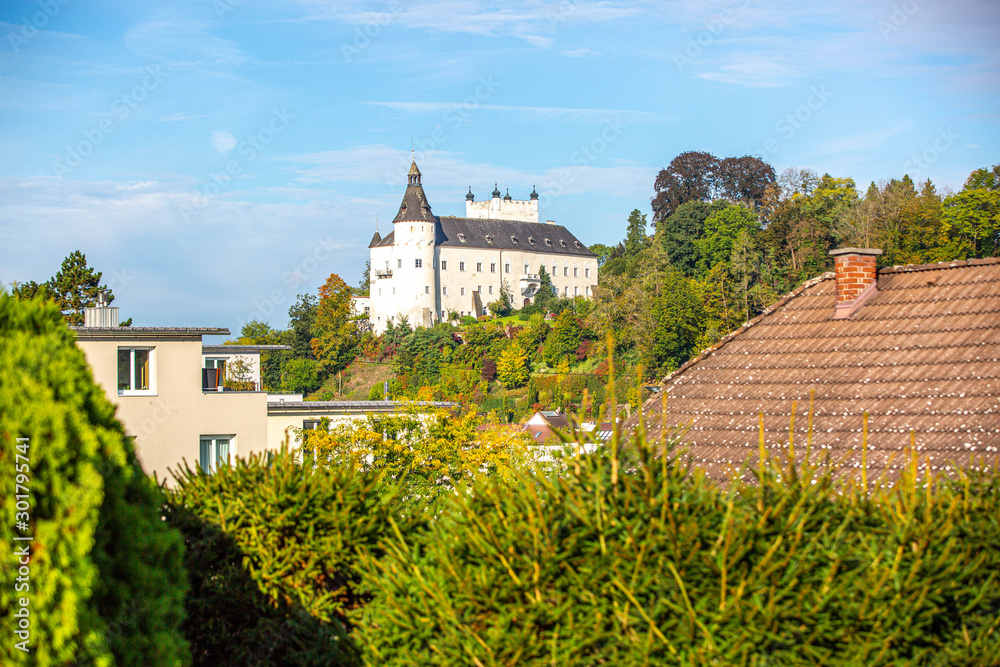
(857, 279)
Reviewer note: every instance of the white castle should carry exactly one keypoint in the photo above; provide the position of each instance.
(428, 266)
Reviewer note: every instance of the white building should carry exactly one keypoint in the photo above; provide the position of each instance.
(428, 266)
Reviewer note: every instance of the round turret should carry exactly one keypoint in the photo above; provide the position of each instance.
(470, 196)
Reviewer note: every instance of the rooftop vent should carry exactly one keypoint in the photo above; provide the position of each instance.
(489, 239)
(101, 315)
(461, 237)
(562, 242)
(548, 241)
(857, 279)
(531, 240)
(513, 239)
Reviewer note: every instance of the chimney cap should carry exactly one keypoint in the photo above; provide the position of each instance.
(855, 251)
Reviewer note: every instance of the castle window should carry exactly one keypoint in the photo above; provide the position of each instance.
(462, 291)
(587, 288)
(566, 291)
(399, 263)
(562, 243)
(586, 272)
(479, 267)
(493, 267)
(576, 291)
(427, 289)
(444, 264)
(479, 288)
(461, 266)
(491, 289)
(565, 271)
(576, 272)
(548, 242)
(418, 263)
(526, 269)
(444, 290)
(411, 228)
(531, 240)
(576, 243)
(506, 268)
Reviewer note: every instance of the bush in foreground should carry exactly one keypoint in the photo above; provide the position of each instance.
(657, 565)
(272, 545)
(105, 583)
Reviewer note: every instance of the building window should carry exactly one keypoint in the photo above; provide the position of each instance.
(491, 289)
(427, 289)
(526, 271)
(399, 263)
(586, 272)
(479, 267)
(310, 424)
(588, 290)
(462, 291)
(493, 267)
(134, 370)
(479, 288)
(444, 290)
(411, 228)
(215, 451)
(576, 272)
(418, 263)
(444, 265)
(555, 271)
(380, 291)
(565, 271)
(212, 381)
(393, 290)
(576, 291)
(506, 268)
(566, 291)
(461, 266)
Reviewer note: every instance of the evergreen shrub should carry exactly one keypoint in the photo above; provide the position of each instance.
(272, 545)
(106, 581)
(631, 558)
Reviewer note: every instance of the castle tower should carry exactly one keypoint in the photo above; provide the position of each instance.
(415, 232)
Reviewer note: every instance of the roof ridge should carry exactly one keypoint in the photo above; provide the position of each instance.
(937, 266)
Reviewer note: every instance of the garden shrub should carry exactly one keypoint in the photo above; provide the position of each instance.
(645, 561)
(271, 550)
(106, 580)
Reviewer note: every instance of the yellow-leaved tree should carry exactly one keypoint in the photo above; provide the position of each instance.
(423, 456)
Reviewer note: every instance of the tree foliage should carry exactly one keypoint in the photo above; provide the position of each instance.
(336, 335)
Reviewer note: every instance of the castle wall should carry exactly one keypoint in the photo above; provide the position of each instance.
(500, 209)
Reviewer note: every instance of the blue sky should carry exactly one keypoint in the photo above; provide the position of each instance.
(214, 159)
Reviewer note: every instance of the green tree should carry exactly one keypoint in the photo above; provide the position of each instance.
(677, 321)
(546, 292)
(301, 321)
(603, 252)
(512, 367)
(75, 287)
(28, 290)
(504, 305)
(300, 376)
(971, 218)
(256, 332)
(722, 229)
(680, 233)
(336, 335)
(636, 239)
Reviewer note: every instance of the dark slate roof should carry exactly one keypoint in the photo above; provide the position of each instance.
(414, 207)
(923, 354)
(475, 231)
(450, 231)
(376, 238)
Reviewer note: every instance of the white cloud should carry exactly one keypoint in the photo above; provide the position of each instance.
(525, 112)
(223, 141)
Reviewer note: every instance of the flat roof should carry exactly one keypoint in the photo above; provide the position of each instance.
(242, 349)
(147, 332)
(352, 407)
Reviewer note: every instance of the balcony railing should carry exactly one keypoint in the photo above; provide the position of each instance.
(383, 273)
